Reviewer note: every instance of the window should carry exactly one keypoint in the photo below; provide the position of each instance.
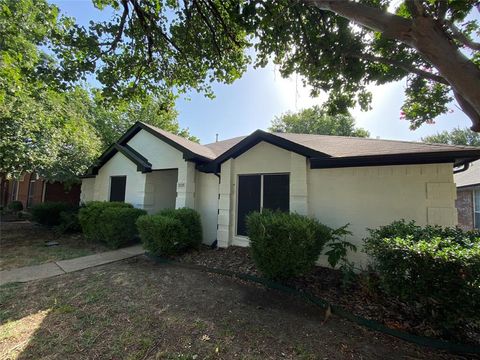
(476, 208)
(14, 190)
(117, 188)
(257, 192)
(31, 192)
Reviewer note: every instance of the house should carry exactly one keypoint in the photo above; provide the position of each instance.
(338, 180)
(32, 189)
(468, 196)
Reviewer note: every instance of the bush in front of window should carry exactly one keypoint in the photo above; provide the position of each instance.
(48, 213)
(191, 221)
(163, 235)
(118, 226)
(15, 206)
(434, 270)
(285, 245)
(90, 220)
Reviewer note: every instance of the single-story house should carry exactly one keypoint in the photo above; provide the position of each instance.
(468, 197)
(32, 189)
(338, 180)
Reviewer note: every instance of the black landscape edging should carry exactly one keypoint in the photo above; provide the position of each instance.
(336, 309)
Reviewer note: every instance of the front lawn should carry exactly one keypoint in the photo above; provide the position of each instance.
(23, 244)
(136, 309)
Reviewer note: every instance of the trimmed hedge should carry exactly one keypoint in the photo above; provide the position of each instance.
(435, 270)
(171, 232)
(89, 217)
(118, 225)
(15, 206)
(285, 245)
(162, 235)
(48, 213)
(190, 219)
(69, 222)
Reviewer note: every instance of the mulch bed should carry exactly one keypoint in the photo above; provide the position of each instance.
(359, 297)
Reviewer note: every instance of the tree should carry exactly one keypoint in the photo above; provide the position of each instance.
(49, 125)
(43, 128)
(455, 137)
(111, 120)
(314, 120)
(338, 47)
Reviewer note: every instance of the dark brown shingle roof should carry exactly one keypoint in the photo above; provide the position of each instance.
(343, 146)
(323, 151)
(220, 147)
(185, 143)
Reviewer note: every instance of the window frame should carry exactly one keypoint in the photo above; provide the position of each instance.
(30, 193)
(110, 188)
(15, 186)
(261, 194)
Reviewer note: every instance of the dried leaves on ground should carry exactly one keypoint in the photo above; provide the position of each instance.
(360, 297)
(137, 309)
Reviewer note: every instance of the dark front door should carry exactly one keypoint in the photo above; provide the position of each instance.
(117, 188)
(249, 192)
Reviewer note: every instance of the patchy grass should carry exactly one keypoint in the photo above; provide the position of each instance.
(23, 244)
(136, 309)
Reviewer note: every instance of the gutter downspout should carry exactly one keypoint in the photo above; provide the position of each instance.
(465, 167)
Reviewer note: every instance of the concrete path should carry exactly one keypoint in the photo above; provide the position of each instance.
(50, 269)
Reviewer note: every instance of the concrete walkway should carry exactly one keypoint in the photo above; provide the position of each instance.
(50, 269)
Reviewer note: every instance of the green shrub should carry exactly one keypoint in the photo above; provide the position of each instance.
(285, 245)
(118, 225)
(15, 206)
(162, 235)
(69, 222)
(435, 270)
(89, 217)
(48, 213)
(190, 219)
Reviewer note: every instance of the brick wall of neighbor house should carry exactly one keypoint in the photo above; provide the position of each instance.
(23, 188)
(464, 204)
(57, 192)
(53, 191)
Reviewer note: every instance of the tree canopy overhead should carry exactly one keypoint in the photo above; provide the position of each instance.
(48, 124)
(315, 120)
(339, 47)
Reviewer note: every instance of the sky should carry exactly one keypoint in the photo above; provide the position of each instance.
(253, 101)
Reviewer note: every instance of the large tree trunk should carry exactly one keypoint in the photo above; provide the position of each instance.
(424, 35)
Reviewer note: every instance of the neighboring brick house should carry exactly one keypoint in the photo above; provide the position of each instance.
(468, 196)
(31, 189)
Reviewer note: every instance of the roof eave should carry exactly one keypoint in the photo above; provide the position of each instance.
(456, 157)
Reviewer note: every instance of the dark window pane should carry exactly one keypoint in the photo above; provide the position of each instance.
(276, 192)
(117, 188)
(248, 199)
(31, 191)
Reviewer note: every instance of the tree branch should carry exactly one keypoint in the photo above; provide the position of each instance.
(407, 67)
(392, 26)
(121, 26)
(469, 110)
(209, 25)
(461, 37)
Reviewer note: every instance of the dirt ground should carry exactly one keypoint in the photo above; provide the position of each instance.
(137, 309)
(23, 244)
